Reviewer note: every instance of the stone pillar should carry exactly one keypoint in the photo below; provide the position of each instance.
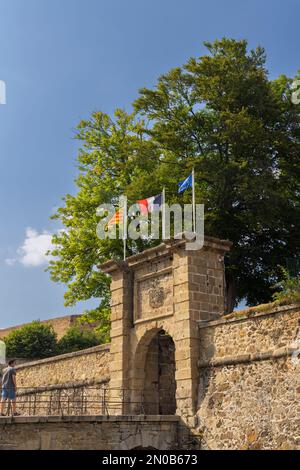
(198, 296)
(121, 324)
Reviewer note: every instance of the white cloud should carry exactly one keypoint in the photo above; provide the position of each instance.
(33, 251)
(10, 261)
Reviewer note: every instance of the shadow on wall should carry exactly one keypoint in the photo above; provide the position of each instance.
(207, 352)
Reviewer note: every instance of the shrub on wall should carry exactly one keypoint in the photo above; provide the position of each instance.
(289, 288)
(33, 341)
(77, 339)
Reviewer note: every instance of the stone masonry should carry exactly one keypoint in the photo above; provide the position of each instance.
(92, 433)
(249, 386)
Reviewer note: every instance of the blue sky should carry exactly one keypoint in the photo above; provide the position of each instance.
(63, 59)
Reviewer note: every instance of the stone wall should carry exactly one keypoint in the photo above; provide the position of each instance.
(74, 383)
(88, 365)
(97, 433)
(249, 382)
(60, 325)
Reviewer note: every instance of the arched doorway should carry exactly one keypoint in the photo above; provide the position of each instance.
(159, 387)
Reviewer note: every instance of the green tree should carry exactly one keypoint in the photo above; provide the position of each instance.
(77, 339)
(222, 115)
(113, 149)
(99, 320)
(34, 341)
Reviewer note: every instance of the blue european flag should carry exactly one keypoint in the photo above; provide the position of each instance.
(186, 184)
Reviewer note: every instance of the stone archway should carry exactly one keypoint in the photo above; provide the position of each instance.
(170, 288)
(154, 384)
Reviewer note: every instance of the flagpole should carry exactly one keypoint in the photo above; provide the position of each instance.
(125, 228)
(194, 201)
(164, 214)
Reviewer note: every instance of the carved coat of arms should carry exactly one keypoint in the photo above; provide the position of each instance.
(156, 295)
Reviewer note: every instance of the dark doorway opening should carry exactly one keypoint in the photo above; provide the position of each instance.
(160, 384)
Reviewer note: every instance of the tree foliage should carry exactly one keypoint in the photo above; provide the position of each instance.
(99, 320)
(222, 115)
(288, 288)
(34, 341)
(38, 340)
(77, 339)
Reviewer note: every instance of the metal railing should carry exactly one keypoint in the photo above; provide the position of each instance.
(77, 401)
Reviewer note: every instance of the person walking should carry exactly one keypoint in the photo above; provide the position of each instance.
(9, 388)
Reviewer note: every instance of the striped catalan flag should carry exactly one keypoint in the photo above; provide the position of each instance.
(117, 219)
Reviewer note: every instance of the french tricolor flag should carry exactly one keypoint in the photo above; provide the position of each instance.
(150, 204)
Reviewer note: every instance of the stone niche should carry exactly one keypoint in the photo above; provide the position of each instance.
(158, 298)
